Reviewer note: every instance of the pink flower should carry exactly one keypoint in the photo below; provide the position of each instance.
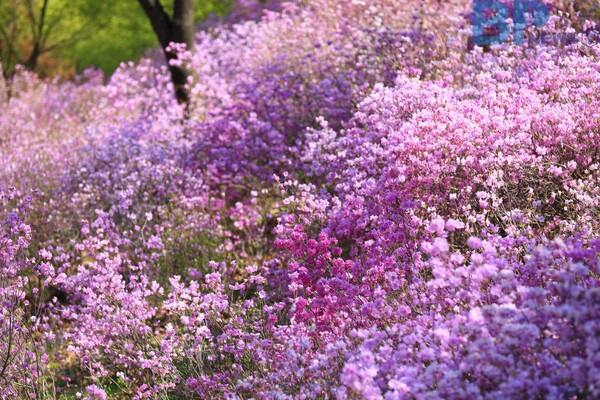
(96, 393)
(474, 243)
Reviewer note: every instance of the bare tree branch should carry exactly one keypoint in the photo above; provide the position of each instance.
(9, 43)
(32, 19)
(37, 37)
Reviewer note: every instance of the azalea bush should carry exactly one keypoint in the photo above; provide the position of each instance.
(357, 203)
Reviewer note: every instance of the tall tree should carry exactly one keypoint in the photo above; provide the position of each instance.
(176, 29)
(30, 29)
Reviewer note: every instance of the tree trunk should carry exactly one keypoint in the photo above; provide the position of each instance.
(31, 62)
(183, 22)
(179, 29)
(37, 28)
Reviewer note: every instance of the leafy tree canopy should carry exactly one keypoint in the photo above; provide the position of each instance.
(78, 34)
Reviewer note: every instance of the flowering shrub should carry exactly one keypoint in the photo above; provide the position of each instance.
(358, 203)
(21, 363)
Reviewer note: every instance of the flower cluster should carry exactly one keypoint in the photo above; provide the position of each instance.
(21, 363)
(357, 203)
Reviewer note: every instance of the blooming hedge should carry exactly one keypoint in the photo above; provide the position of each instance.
(358, 203)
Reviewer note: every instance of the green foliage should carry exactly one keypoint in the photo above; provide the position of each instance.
(126, 34)
(83, 33)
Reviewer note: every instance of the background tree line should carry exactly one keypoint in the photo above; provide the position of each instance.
(60, 37)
